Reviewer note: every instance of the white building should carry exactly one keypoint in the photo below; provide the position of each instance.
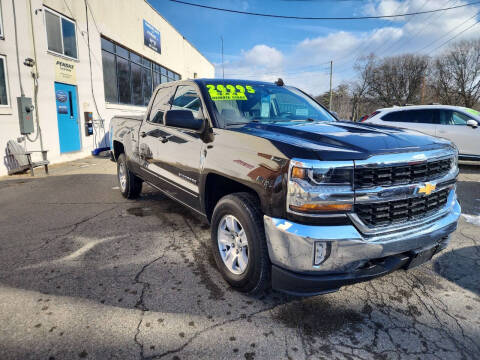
(132, 49)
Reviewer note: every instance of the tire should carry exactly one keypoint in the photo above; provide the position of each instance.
(130, 185)
(245, 209)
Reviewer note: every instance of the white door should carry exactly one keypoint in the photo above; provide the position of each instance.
(453, 126)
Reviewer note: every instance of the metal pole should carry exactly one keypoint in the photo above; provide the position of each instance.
(331, 75)
(223, 67)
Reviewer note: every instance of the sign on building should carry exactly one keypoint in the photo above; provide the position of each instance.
(151, 37)
(65, 71)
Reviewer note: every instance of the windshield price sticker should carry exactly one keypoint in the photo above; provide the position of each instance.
(229, 92)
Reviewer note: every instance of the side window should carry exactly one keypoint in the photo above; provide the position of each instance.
(422, 116)
(450, 117)
(160, 104)
(187, 98)
(396, 116)
(459, 118)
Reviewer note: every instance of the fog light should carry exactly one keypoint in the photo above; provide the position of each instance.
(321, 252)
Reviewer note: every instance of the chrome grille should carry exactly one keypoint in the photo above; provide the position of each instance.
(367, 177)
(392, 212)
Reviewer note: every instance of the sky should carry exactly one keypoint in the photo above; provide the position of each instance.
(300, 51)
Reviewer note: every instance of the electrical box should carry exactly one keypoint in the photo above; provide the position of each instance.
(25, 115)
(88, 123)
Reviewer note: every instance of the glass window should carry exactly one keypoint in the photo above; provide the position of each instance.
(121, 51)
(108, 45)
(240, 102)
(69, 40)
(4, 98)
(128, 77)
(156, 79)
(160, 104)
(459, 118)
(397, 116)
(186, 98)
(450, 117)
(1, 22)
(109, 77)
(123, 76)
(54, 34)
(137, 98)
(147, 85)
(164, 71)
(135, 58)
(421, 116)
(146, 63)
(61, 34)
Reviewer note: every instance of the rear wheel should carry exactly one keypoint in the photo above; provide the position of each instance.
(130, 185)
(238, 242)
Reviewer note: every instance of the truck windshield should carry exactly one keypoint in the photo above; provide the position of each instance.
(239, 103)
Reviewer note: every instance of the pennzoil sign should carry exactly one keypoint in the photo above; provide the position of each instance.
(65, 71)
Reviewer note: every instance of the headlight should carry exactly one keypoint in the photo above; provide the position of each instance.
(319, 187)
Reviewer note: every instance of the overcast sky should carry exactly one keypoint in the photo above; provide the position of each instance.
(299, 51)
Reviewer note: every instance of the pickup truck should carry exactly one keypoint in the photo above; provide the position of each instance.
(296, 200)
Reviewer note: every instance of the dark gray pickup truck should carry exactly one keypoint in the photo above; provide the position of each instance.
(296, 199)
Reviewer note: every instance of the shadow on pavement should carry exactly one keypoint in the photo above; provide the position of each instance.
(460, 266)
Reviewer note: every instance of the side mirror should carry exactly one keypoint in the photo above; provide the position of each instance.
(472, 123)
(335, 114)
(183, 119)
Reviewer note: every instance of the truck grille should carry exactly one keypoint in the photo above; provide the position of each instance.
(392, 212)
(399, 175)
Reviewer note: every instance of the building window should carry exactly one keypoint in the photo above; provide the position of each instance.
(129, 78)
(61, 34)
(2, 35)
(4, 97)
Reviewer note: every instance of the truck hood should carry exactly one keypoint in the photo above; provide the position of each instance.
(341, 140)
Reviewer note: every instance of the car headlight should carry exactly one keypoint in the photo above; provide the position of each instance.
(319, 187)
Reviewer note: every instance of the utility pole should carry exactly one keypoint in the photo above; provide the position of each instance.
(331, 75)
(223, 67)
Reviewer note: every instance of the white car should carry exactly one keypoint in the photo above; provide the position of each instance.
(457, 124)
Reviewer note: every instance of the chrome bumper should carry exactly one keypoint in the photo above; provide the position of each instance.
(291, 245)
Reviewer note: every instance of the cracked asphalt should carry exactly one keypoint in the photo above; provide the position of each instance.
(86, 274)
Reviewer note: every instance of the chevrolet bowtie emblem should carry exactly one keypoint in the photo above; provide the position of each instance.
(427, 189)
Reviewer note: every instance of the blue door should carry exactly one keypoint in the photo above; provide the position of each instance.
(67, 116)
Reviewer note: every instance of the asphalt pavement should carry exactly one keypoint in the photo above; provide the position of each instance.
(86, 274)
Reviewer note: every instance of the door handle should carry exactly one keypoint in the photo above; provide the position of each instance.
(143, 134)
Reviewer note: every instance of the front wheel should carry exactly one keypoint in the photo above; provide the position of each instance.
(238, 242)
(130, 185)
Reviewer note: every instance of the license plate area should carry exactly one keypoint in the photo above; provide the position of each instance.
(418, 257)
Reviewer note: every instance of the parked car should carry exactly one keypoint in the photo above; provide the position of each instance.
(295, 199)
(455, 123)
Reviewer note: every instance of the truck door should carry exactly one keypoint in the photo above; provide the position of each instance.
(150, 135)
(177, 152)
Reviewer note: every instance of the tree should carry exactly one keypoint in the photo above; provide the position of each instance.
(398, 79)
(341, 100)
(456, 75)
(364, 67)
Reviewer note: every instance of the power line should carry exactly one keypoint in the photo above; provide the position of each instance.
(456, 28)
(454, 37)
(321, 18)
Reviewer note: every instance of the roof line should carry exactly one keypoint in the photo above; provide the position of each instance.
(174, 28)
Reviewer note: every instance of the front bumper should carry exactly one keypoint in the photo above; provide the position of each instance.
(353, 256)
